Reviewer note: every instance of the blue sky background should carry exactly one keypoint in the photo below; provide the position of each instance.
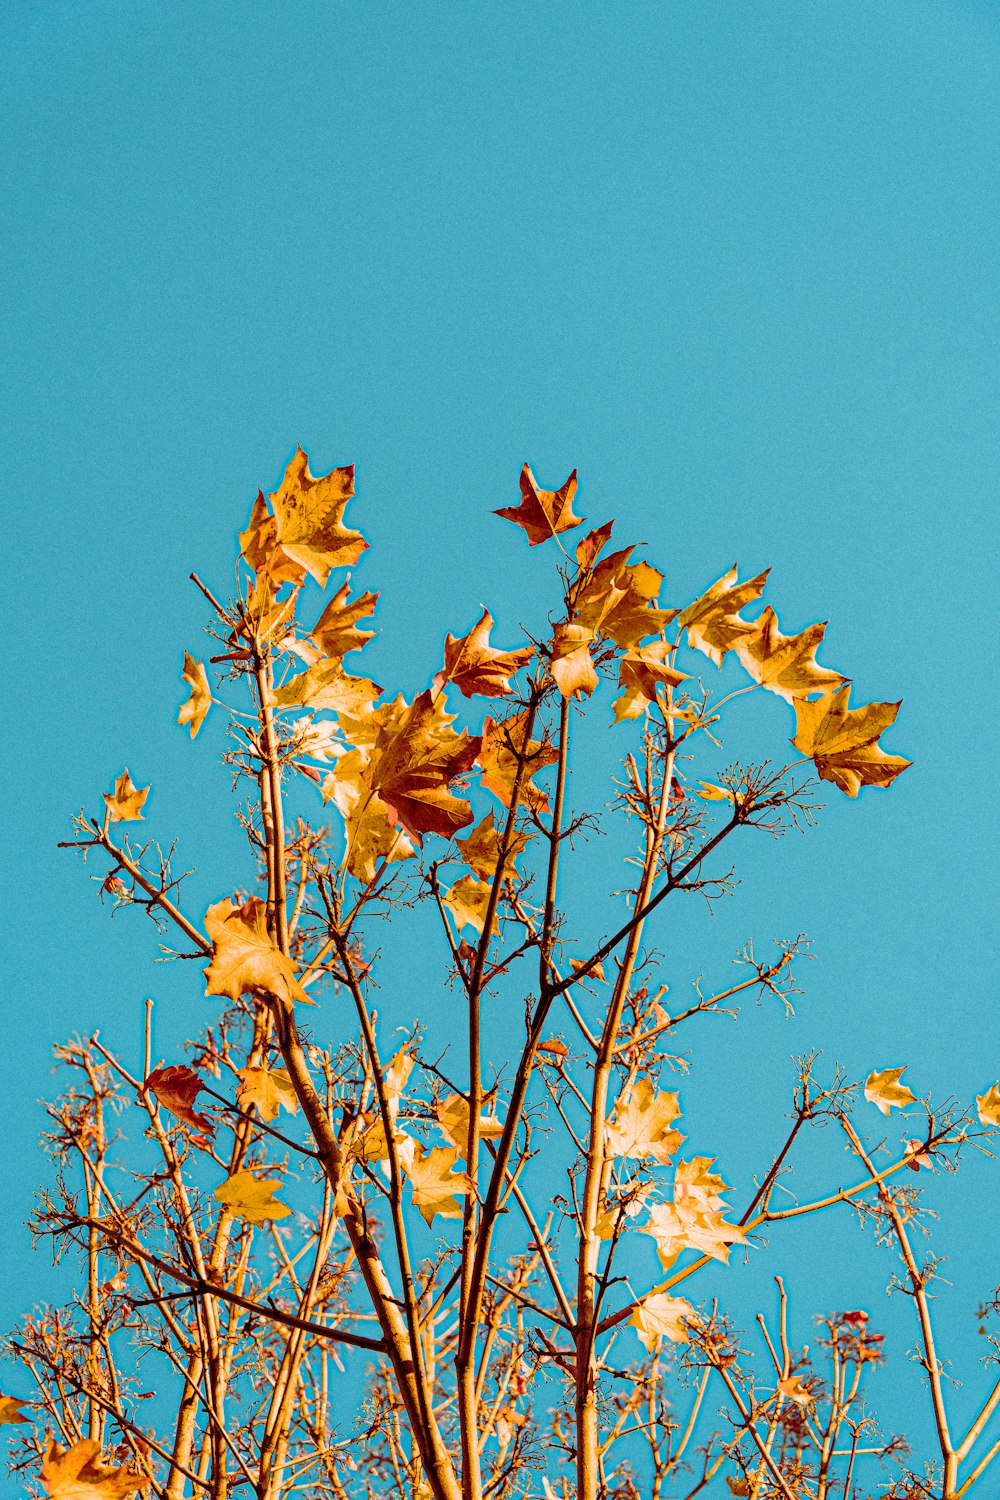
(735, 263)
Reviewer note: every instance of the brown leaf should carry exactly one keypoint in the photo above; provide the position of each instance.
(259, 545)
(372, 830)
(476, 667)
(617, 602)
(413, 764)
(194, 710)
(176, 1088)
(640, 673)
(593, 544)
(481, 850)
(542, 513)
(308, 512)
(245, 956)
(125, 803)
(10, 1409)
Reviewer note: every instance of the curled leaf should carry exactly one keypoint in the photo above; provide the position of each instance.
(194, 710)
(885, 1091)
(176, 1088)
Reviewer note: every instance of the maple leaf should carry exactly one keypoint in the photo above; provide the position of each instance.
(77, 1474)
(336, 632)
(640, 673)
(176, 1088)
(260, 549)
(616, 602)
(786, 664)
(843, 741)
(542, 513)
(10, 1410)
(453, 1117)
(988, 1106)
(885, 1091)
(245, 956)
(502, 744)
(713, 622)
(265, 613)
(413, 763)
(308, 512)
(435, 1182)
(467, 901)
(659, 1317)
(481, 850)
(794, 1388)
(326, 685)
(194, 710)
(268, 1089)
(371, 831)
(125, 803)
(640, 1125)
(738, 1486)
(251, 1198)
(613, 1214)
(475, 667)
(589, 550)
(694, 1220)
(570, 663)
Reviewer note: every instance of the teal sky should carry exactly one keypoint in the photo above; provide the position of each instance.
(737, 263)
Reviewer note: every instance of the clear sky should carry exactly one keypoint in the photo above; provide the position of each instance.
(737, 263)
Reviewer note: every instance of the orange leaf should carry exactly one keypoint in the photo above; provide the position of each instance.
(245, 956)
(475, 667)
(308, 512)
(502, 744)
(843, 742)
(194, 710)
(413, 764)
(125, 803)
(176, 1088)
(77, 1474)
(542, 513)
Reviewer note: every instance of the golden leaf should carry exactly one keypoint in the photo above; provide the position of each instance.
(453, 1117)
(269, 1089)
(475, 667)
(659, 1317)
(709, 792)
(413, 763)
(372, 831)
(542, 513)
(639, 1128)
(336, 632)
(786, 664)
(308, 511)
(467, 901)
(77, 1474)
(616, 602)
(694, 1220)
(640, 673)
(570, 664)
(259, 545)
(843, 742)
(794, 1388)
(481, 850)
(435, 1182)
(251, 1198)
(327, 685)
(125, 803)
(885, 1091)
(10, 1410)
(502, 745)
(593, 544)
(988, 1106)
(713, 621)
(194, 710)
(245, 956)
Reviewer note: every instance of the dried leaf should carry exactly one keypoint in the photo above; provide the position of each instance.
(659, 1317)
(475, 667)
(640, 673)
(988, 1106)
(194, 710)
(251, 1198)
(481, 850)
(786, 664)
(543, 513)
(176, 1088)
(453, 1117)
(269, 1089)
(502, 745)
(467, 900)
(435, 1182)
(794, 1388)
(336, 632)
(570, 663)
(639, 1128)
(885, 1091)
(10, 1410)
(125, 803)
(414, 762)
(77, 1473)
(245, 956)
(843, 742)
(713, 622)
(326, 685)
(308, 512)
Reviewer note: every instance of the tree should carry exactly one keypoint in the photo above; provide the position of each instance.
(350, 1265)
